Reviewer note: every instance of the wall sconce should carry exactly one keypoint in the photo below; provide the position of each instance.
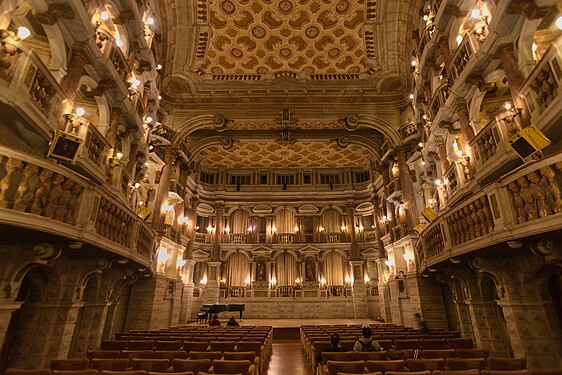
(184, 220)
(250, 229)
(321, 229)
(73, 121)
(343, 228)
(322, 282)
(179, 264)
(248, 280)
(210, 229)
(132, 85)
(204, 281)
(367, 278)
(167, 207)
(390, 263)
(459, 39)
(227, 230)
(395, 170)
(163, 257)
(360, 228)
(296, 228)
(273, 229)
(408, 257)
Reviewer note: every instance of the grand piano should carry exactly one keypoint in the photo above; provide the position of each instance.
(216, 308)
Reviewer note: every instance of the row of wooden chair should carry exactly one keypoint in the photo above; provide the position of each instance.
(187, 346)
(466, 372)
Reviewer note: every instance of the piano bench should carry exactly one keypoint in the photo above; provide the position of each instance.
(201, 317)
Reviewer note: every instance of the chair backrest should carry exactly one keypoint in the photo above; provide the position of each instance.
(198, 346)
(354, 367)
(124, 372)
(140, 345)
(120, 364)
(502, 372)
(385, 344)
(75, 372)
(223, 366)
(472, 353)
(407, 344)
(167, 345)
(175, 373)
(370, 356)
(455, 343)
(114, 344)
(205, 355)
(433, 344)
(16, 371)
(337, 356)
(195, 365)
(386, 365)
(545, 371)
(456, 372)
(223, 346)
(130, 354)
(249, 346)
(69, 364)
(347, 344)
(160, 365)
(425, 364)
(466, 363)
(250, 356)
(507, 364)
(439, 353)
(366, 373)
(102, 354)
(169, 354)
(408, 373)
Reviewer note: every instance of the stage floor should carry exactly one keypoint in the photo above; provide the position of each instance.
(289, 323)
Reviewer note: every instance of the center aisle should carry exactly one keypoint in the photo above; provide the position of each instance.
(287, 359)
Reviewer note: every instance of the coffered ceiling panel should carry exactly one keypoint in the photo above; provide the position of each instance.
(243, 155)
(294, 38)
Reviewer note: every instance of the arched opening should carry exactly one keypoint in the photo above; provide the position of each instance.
(87, 330)
(500, 343)
(26, 321)
(450, 303)
(117, 311)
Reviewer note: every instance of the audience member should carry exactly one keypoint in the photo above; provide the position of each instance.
(214, 321)
(366, 343)
(420, 324)
(335, 341)
(232, 322)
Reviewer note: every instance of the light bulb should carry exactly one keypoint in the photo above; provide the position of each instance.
(137, 185)
(23, 32)
(296, 229)
(459, 39)
(559, 22)
(104, 15)
(159, 66)
(159, 97)
(438, 182)
(119, 155)
(168, 207)
(118, 41)
(534, 47)
(475, 13)
(459, 153)
(507, 106)
(414, 63)
(425, 17)
(148, 119)
(80, 111)
(150, 21)
(420, 144)
(412, 96)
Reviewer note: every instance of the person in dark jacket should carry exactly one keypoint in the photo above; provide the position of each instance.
(335, 341)
(214, 321)
(232, 322)
(366, 343)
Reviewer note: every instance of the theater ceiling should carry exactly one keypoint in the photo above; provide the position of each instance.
(247, 60)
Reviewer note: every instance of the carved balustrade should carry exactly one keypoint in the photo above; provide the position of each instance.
(119, 61)
(490, 145)
(526, 202)
(408, 130)
(456, 176)
(236, 291)
(32, 87)
(203, 238)
(285, 291)
(284, 238)
(337, 291)
(469, 46)
(36, 192)
(236, 238)
(438, 100)
(542, 87)
(372, 291)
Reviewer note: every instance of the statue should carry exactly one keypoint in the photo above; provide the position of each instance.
(310, 269)
(260, 273)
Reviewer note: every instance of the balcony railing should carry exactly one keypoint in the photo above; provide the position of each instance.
(39, 194)
(526, 202)
(460, 59)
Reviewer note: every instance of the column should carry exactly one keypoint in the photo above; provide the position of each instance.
(212, 288)
(407, 189)
(467, 134)
(515, 79)
(383, 170)
(360, 309)
(215, 254)
(355, 255)
(442, 154)
(71, 81)
(378, 233)
(446, 53)
(163, 189)
(88, 329)
(192, 214)
(384, 291)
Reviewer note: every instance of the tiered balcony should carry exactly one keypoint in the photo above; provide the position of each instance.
(525, 203)
(43, 196)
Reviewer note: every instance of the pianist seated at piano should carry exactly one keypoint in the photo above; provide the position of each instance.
(214, 321)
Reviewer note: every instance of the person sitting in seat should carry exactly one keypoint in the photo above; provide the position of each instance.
(232, 322)
(335, 341)
(214, 321)
(366, 343)
(420, 323)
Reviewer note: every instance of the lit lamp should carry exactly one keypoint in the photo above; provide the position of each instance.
(7, 38)
(409, 257)
(163, 257)
(204, 281)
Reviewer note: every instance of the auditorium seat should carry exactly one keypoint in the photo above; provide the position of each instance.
(354, 367)
(15, 371)
(75, 372)
(167, 345)
(370, 356)
(114, 345)
(123, 372)
(222, 346)
(102, 354)
(425, 364)
(140, 345)
(337, 356)
(408, 373)
(130, 354)
(198, 346)
(366, 373)
(250, 356)
(171, 373)
(439, 353)
(466, 363)
(205, 355)
(456, 343)
(169, 354)
(507, 364)
(69, 364)
(120, 364)
(455, 372)
(472, 353)
(433, 344)
(386, 365)
(195, 365)
(244, 367)
(503, 372)
(385, 344)
(159, 365)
